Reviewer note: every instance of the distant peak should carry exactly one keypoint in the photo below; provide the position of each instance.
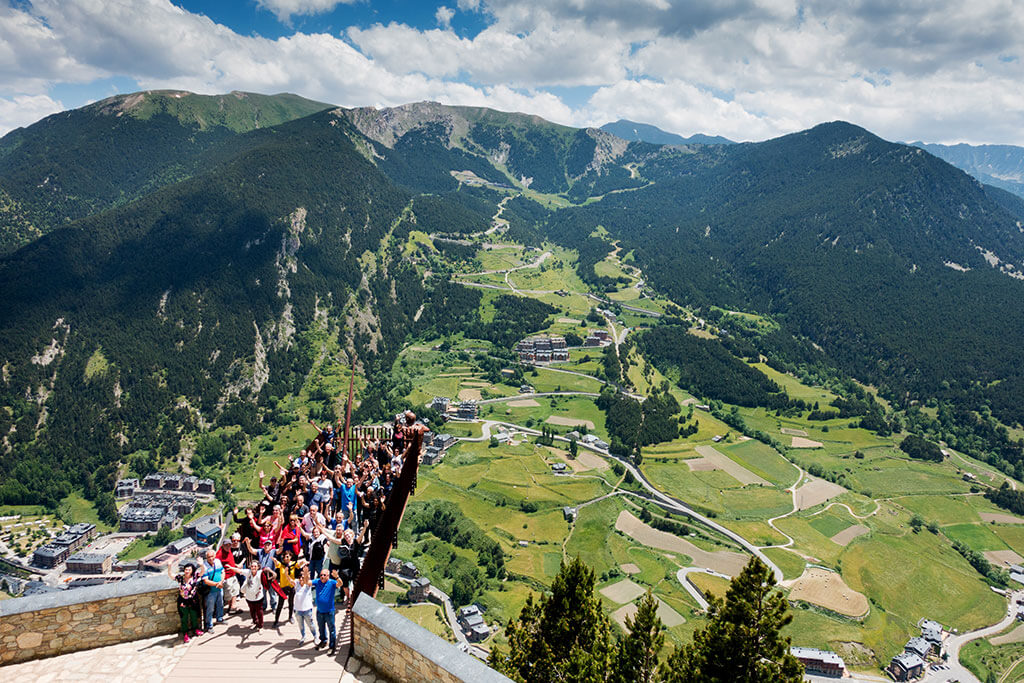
(645, 132)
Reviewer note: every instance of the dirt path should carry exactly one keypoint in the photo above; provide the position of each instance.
(878, 506)
(496, 220)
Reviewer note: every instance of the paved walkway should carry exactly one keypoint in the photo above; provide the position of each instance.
(233, 652)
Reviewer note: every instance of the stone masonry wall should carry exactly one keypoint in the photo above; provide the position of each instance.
(400, 650)
(392, 658)
(84, 618)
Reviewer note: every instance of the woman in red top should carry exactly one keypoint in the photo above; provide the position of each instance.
(291, 538)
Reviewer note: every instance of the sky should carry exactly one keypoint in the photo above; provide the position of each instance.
(933, 70)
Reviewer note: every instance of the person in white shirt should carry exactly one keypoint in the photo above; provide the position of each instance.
(311, 521)
(252, 591)
(304, 603)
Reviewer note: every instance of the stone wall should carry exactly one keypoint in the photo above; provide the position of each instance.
(83, 618)
(403, 651)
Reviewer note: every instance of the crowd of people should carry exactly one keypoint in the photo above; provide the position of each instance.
(303, 544)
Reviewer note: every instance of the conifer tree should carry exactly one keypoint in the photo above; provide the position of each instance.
(562, 637)
(636, 660)
(741, 642)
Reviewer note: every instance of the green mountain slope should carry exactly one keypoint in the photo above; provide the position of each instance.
(645, 132)
(877, 252)
(188, 265)
(501, 148)
(999, 165)
(76, 163)
(204, 298)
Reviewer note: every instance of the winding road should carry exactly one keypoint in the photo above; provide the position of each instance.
(663, 499)
(957, 671)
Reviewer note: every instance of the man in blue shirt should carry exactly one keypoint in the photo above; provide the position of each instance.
(324, 590)
(213, 577)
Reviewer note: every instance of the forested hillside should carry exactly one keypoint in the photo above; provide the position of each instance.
(194, 253)
(896, 264)
(75, 163)
(125, 329)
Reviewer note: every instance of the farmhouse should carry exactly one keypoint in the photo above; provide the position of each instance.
(906, 666)
(49, 556)
(467, 410)
(569, 514)
(820, 662)
(419, 590)
(558, 467)
(431, 455)
(918, 646)
(205, 530)
(542, 350)
(126, 488)
(182, 545)
(472, 622)
(90, 563)
(931, 631)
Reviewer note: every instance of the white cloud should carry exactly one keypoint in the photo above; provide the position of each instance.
(566, 55)
(23, 110)
(749, 69)
(444, 15)
(285, 9)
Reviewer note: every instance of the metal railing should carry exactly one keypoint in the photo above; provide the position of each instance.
(384, 536)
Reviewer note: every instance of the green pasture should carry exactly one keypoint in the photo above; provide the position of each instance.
(1004, 662)
(920, 575)
(755, 531)
(811, 541)
(500, 259)
(942, 510)
(831, 522)
(1011, 534)
(550, 380)
(791, 564)
(795, 388)
(762, 460)
(429, 617)
(975, 536)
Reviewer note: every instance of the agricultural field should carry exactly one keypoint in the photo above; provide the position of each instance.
(429, 617)
(859, 577)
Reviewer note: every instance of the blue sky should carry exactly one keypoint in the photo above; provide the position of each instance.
(939, 71)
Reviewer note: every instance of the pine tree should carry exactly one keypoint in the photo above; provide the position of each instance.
(636, 660)
(741, 642)
(562, 637)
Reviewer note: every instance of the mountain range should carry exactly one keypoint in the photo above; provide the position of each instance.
(645, 132)
(997, 165)
(175, 261)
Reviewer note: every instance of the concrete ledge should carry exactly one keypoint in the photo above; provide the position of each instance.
(402, 650)
(84, 618)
